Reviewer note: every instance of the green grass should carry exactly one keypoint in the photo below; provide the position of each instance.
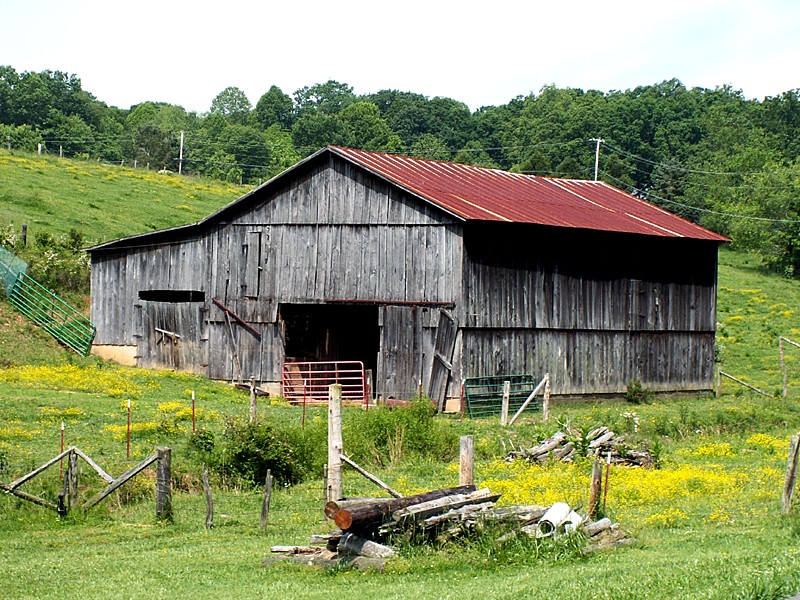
(707, 524)
(104, 202)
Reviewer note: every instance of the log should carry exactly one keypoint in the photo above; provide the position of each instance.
(594, 528)
(360, 563)
(15, 484)
(423, 510)
(94, 465)
(127, 475)
(295, 549)
(26, 496)
(353, 545)
(364, 515)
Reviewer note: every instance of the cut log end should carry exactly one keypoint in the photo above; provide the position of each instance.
(343, 519)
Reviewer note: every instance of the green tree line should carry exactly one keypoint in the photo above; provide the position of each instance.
(711, 155)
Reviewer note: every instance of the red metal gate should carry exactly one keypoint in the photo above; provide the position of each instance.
(309, 381)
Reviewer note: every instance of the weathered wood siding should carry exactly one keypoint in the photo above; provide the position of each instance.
(118, 277)
(333, 233)
(595, 310)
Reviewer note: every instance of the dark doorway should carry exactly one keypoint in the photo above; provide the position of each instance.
(331, 332)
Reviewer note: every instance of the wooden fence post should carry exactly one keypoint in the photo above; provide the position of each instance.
(791, 473)
(252, 399)
(72, 474)
(546, 400)
(164, 484)
(334, 442)
(466, 474)
(267, 497)
(594, 492)
(506, 401)
(783, 365)
(209, 499)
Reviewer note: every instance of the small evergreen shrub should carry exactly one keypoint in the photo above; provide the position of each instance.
(637, 394)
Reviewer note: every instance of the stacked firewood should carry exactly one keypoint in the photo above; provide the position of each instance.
(442, 515)
(601, 442)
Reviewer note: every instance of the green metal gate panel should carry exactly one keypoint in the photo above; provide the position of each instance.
(10, 268)
(484, 395)
(43, 307)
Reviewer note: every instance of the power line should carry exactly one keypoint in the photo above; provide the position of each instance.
(649, 195)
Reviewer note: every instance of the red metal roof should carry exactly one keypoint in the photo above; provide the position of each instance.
(480, 194)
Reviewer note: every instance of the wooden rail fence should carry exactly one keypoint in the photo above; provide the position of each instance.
(68, 497)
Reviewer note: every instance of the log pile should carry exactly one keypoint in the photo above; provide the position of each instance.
(600, 442)
(441, 515)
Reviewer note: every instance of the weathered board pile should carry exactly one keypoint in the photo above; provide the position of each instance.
(442, 515)
(600, 442)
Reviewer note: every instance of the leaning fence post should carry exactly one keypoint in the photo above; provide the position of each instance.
(791, 473)
(164, 484)
(335, 448)
(546, 400)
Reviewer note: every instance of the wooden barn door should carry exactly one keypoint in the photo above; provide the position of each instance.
(443, 349)
(170, 336)
(400, 357)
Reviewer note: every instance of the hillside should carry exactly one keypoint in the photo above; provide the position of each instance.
(103, 202)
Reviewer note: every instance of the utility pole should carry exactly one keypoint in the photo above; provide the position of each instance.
(180, 156)
(597, 155)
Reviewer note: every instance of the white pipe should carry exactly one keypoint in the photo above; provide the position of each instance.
(553, 518)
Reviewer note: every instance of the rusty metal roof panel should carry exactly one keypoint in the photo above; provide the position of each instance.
(480, 194)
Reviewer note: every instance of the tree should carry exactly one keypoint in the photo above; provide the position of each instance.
(431, 147)
(274, 108)
(315, 130)
(232, 103)
(330, 98)
(367, 130)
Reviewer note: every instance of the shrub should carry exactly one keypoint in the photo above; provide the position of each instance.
(245, 451)
(637, 394)
(388, 435)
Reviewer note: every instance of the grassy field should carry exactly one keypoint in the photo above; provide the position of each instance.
(101, 201)
(707, 523)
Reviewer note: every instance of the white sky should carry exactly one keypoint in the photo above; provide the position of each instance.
(481, 53)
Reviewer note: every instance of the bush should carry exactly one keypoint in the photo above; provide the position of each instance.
(245, 451)
(384, 436)
(637, 394)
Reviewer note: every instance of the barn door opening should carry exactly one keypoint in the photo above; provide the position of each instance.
(331, 332)
(442, 358)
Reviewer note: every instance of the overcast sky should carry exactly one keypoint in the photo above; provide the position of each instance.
(481, 53)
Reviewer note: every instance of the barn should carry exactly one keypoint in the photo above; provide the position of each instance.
(425, 272)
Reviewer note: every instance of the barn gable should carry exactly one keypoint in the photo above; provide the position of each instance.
(358, 255)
